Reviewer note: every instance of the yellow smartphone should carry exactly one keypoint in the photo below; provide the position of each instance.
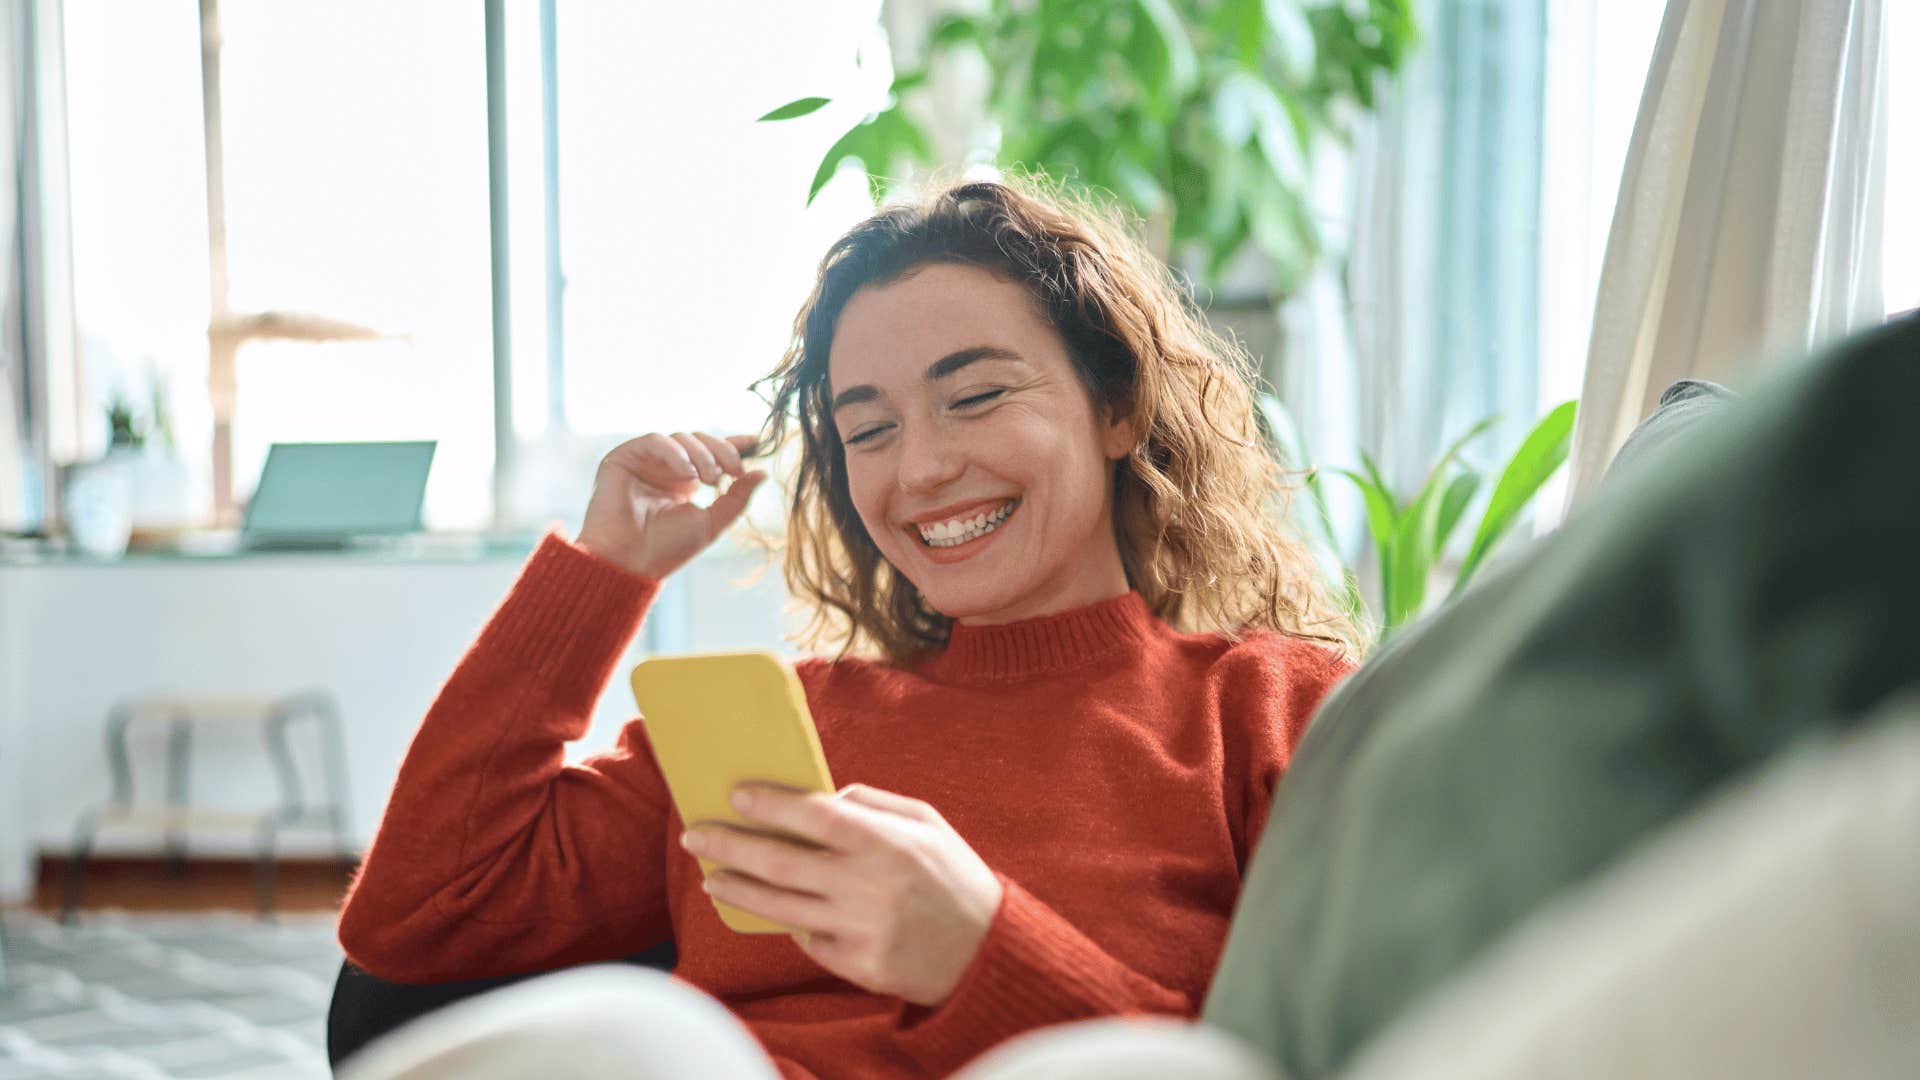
(719, 720)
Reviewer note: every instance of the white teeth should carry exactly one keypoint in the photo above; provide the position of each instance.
(953, 533)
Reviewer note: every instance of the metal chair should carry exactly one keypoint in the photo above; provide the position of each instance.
(174, 817)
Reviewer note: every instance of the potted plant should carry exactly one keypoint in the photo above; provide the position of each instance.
(1202, 116)
(1409, 534)
(140, 487)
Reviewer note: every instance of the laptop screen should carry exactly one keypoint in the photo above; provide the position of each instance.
(340, 489)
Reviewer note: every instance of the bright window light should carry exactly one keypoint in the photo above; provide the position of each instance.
(356, 174)
(685, 236)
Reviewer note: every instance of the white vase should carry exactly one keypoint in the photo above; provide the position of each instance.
(98, 505)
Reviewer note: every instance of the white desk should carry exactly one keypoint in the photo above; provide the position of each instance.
(380, 632)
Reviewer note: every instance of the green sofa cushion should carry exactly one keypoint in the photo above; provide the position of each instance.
(1692, 622)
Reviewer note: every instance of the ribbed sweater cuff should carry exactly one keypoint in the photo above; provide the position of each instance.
(567, 620)
(1033, 969)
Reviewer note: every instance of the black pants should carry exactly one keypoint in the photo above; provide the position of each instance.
(365, 1008)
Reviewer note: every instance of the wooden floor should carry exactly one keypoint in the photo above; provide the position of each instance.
(203, 884)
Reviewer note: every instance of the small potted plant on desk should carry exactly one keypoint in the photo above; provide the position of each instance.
(138, 491)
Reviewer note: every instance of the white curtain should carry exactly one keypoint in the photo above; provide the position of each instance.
(1748, 222)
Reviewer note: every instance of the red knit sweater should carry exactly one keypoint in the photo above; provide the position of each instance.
(1114, 773)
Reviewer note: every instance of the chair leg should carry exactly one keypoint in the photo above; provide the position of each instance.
(77, 866)
(265, 876)
(335, 741)
(179, 757)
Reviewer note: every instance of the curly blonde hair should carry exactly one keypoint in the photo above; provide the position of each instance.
(1199, 505)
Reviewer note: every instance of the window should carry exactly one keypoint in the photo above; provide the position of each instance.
(356, 189)
(138, 199)
(684, 246)
(355, 171)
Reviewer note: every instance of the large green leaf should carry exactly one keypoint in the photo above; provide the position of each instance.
(1407, 564)
(1374, 474)
(955, 28)
(796, 107)
(1453, 506)
(1542, 453)
(1162, 54)
(877, 143)
(1383, 519)
(896, 137)
(1382, 515)
(1243, 25)
(854, 144)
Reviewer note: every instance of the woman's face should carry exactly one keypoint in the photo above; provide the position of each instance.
(976, 458)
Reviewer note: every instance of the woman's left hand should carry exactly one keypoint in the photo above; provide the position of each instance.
(892, 900)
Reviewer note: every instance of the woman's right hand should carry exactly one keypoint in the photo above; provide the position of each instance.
(641, 516)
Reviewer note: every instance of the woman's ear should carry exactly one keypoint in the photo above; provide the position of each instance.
(1119, 436)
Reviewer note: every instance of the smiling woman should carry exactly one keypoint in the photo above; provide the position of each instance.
(1012, 336)
(1075, 651)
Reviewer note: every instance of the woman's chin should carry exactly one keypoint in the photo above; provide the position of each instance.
(965, 593)
(969, 601)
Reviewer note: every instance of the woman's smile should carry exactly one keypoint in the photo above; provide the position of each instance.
(951, 539)
(947, 528)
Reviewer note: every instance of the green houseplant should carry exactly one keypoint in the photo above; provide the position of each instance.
(1200, 115)
(1410, 534)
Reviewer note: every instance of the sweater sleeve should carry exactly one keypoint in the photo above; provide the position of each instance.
(493, 855)
(1034, 969)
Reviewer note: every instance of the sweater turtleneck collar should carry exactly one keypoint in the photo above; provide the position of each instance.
(1044, 645)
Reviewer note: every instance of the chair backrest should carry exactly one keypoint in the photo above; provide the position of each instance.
(365, 1007)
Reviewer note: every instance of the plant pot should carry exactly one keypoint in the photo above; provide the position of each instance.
(97, 503)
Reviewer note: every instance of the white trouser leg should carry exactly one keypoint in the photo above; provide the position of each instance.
(611, 1020)
(1122, 1049)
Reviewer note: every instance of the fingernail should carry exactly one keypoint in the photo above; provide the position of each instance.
(691, 842)
(742, 800)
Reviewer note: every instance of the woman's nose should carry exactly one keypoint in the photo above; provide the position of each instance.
(928, 460)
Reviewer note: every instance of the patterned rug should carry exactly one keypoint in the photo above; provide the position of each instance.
(158, 996)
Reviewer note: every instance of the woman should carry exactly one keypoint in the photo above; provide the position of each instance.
(1075, 649)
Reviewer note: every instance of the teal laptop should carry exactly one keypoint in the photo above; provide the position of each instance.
(326, 495)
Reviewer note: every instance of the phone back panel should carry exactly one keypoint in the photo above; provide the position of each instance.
(719, 720)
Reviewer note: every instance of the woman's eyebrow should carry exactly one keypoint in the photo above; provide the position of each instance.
(942, 368)
(954, 361)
